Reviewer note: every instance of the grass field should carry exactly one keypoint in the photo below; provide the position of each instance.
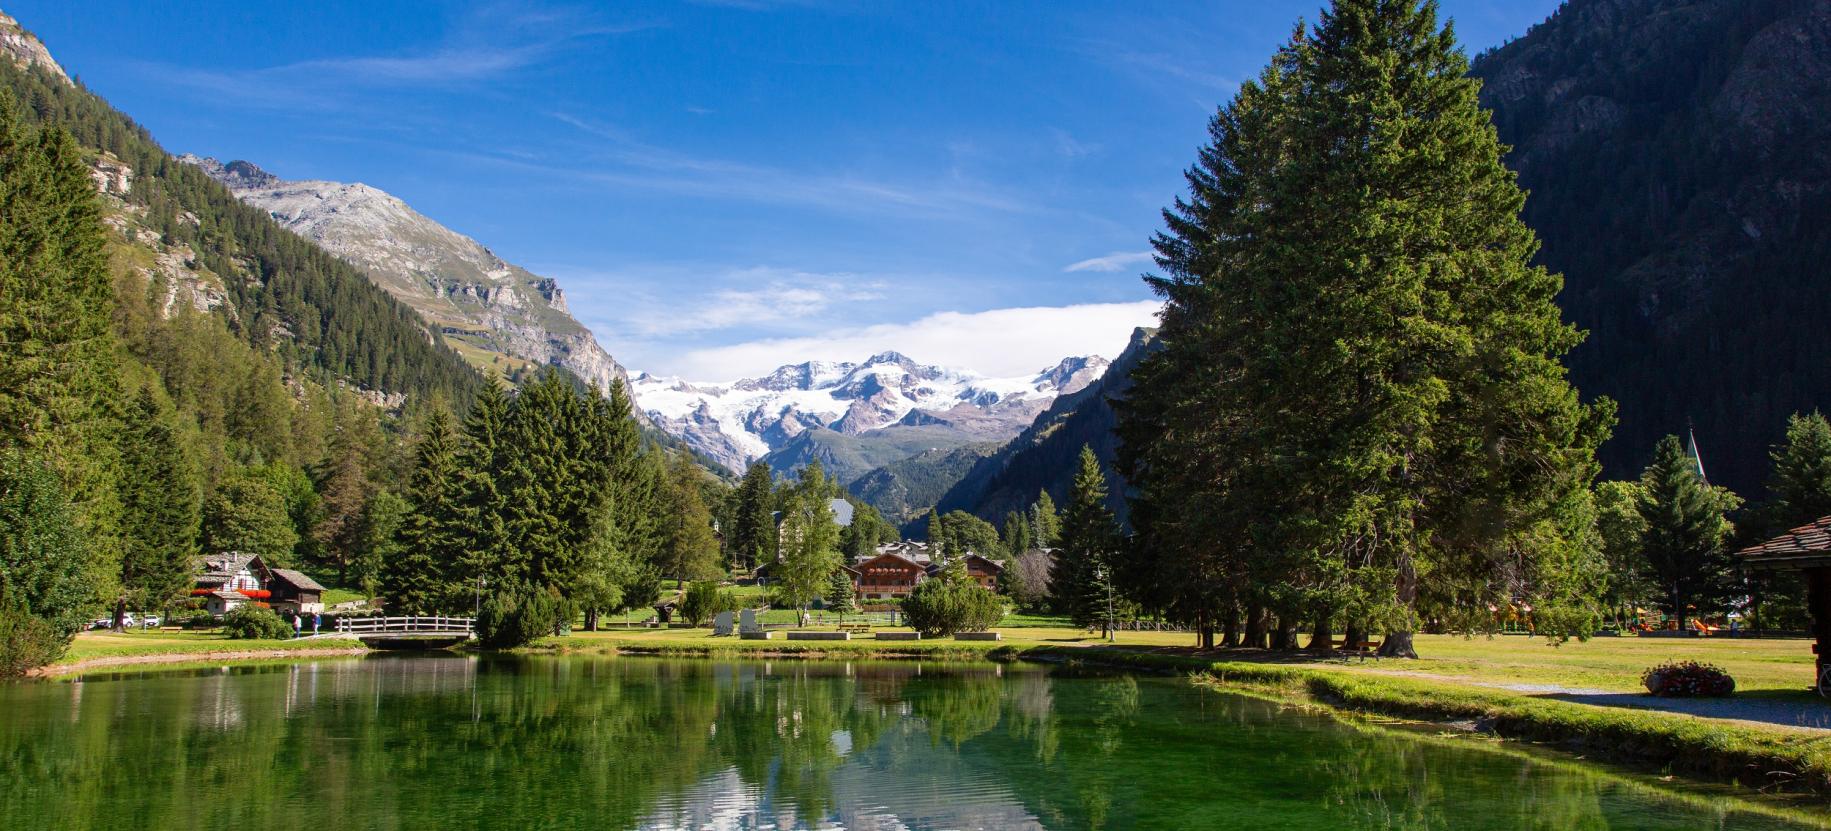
(90, 645)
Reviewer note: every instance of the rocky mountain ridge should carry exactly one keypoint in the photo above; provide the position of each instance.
(500, 316)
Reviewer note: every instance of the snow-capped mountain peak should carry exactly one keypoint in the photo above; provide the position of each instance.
(742, 421)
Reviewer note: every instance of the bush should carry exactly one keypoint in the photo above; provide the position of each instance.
(704, 601)
(1688, 679)
(26, 641)
(949, 603)
(510, 620)
(249, 622)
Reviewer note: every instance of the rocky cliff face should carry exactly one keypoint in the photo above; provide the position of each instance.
(501, 316)
(24, 49)
(1678, 156)
(853, 417)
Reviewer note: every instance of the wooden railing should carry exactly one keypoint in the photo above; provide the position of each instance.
(406, 624)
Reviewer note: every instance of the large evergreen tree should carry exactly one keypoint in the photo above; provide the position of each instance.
(483, 511)
(247, 513)
(1359, 401)
(42, 549)
(1685, 533)
(1045, 523)
(691, 550)
(427, 572)
(1800, 487)
(753, 531)
(59, 371)
(1083, 582)
(160, 509)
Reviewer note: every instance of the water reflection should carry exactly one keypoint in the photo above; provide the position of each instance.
(466, 742)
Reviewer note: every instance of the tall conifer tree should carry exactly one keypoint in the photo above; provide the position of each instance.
(428, 570)
(1359, 391)
(754, 530)
(161, 506)
(1685, 533)
(1083, 580)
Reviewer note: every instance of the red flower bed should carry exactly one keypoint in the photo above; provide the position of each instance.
(1688, 679)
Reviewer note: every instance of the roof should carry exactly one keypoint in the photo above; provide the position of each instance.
(842, 512)
(894, 556)
(297, 580)
(1808, 546)
(228, 594)
(221, 567)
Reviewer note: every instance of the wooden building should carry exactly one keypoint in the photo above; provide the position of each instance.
(888, 575)
(295, 592)
(1806, 549)
(983, 571)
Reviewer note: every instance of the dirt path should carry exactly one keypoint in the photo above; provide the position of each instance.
(55, 670)
(1765, 712)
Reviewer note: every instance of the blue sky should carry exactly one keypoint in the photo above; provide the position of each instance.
(728, 185)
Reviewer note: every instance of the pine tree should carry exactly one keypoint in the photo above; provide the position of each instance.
(429, 571)
(1358, 399)
(483, 545)
(1685, 533)
(59, 365)
(692, 550)
(753, 532)
(1801, 481)
(1083, 582)
(343, 494)
(247, 513)
(1045, 523)
(377, 539)
(810, 540)
(839, 593)
(160, 509)
(937, 536)
(1017, 533)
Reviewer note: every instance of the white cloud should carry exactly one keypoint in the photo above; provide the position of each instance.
(1116, 261)
(998, 342)
(784, 296)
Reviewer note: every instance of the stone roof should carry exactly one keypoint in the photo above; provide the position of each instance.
(1808, 546)
(297, 580)
(221, 567)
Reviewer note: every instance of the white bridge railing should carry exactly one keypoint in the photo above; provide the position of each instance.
(427, 624)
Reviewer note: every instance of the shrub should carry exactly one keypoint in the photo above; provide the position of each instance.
(704, 601)
(949, 603)
(250, 622)
(1688, 679)
(26, 641)
(513, 619)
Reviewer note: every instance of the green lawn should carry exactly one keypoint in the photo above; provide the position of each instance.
(133, 643)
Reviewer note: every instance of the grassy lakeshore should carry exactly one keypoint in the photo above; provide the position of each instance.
(110, 649)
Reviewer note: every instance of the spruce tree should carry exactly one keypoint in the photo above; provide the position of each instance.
(1801, 482)
(1045, 523)
(343, 494)
(161, 506)
(839, 598)
(377, 539)
(691, 548)
(753, 531)
(1685, 533)
(429, 571)
(1359, 392)
(937, 536)
(1083, 580)
(1016, 534)
(484, 546)
(59, 373)
(43, 552)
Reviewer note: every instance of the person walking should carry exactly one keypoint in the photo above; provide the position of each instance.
(317, 620)
(296, 624)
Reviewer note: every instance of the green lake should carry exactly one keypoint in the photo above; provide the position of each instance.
(460, 742)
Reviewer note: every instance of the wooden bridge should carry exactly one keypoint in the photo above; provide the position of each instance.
(408, 630)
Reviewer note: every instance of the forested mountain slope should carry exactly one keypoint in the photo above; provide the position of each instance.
(275, 290)
(1044, 457)
(1678, 155)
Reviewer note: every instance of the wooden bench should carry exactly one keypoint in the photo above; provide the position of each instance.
(1361, 648)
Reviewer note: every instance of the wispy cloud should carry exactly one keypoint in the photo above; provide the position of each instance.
(487, 43)
(996, 342)
(782, 297)
(1116, 261)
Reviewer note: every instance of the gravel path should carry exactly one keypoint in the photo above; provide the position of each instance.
(187, 657)
(1812, 715)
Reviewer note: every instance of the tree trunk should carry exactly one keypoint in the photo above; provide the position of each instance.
(1284, 637)
(591, 620)
(1354, 636)
(1255, 627)
(1230, 627)
(1397, 644)
(1322, 637)
(120, 613)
